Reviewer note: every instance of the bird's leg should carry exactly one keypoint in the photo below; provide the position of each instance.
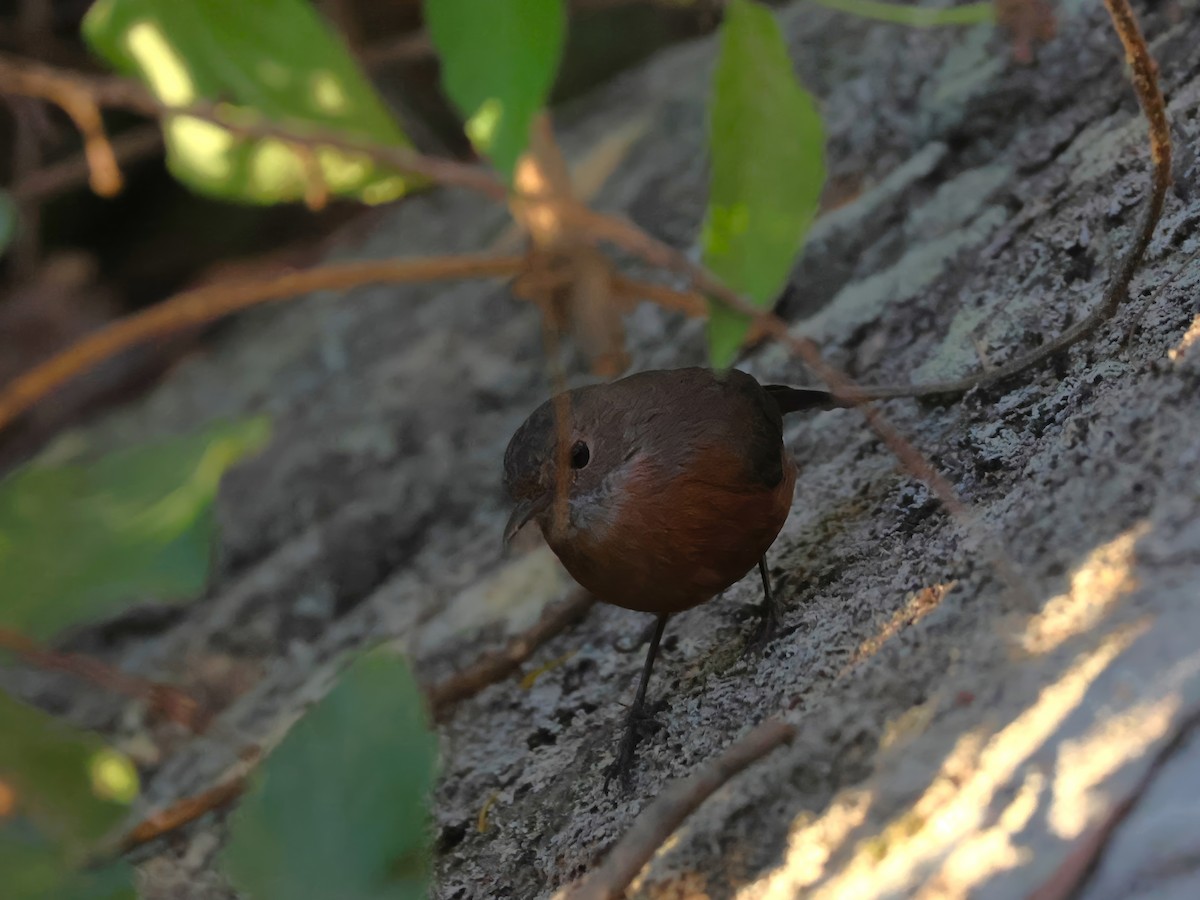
(639, 723)
(646, 634)
(768, 613)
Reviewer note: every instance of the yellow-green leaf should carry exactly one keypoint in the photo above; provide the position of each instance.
(272, 59)
(69, 784)
(767, 167)
(32, 868)
(499, 61)
(81, 541)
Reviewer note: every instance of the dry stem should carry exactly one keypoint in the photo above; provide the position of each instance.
(206, 304)
(441, 697)
(163, 699)
(668, 811)
(1069, 879)
(32, 79)
(493, 667)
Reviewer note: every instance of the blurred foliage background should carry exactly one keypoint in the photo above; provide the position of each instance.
(78, 260)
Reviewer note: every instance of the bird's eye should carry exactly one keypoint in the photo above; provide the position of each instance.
(580, 455)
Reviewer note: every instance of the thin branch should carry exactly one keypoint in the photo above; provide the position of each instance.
(1069, 879)
(81, 105)
(1145, 82)
(166, 700)
(55, 178)
(494, 667)
(650, 249)
(316, 189)
(104, 174)
(27, 78)
(441, 697)
(182, 813)
(631, 290)
(668, 811)
(185, 811)
(206, 304)
(633, 239)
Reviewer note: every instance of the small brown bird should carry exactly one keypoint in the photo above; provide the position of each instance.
(674, 484)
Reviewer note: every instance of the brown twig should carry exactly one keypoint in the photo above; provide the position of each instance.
(1073, 873)
(1144, 74)
(104, 173)
(1145, 83)
(488, 670)
(35, 80)
(633, 239)
(206, 304)
(27, 78)
(185, 811)
(166, 700)
(82, 107)
(181, 813)
(56, 177)
(658, 253)
(316, 189)
(631, 290)
(670, 808)
(494, 667)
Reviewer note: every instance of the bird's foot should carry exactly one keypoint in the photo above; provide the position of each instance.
(764, 632)
(641, 723)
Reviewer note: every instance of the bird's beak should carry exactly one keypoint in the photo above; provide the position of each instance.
(522, 513)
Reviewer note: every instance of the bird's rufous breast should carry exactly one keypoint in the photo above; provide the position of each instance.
(678, 538)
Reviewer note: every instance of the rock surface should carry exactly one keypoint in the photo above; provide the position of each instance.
(952, 740)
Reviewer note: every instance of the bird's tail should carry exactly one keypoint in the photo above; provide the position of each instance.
(793, 399)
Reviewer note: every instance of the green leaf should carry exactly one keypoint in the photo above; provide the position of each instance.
(339, 808)
(34, 869)
(499, 61)
(262, 58)
(767, 157)
(69, 784)
(83, 541)
(8, 221)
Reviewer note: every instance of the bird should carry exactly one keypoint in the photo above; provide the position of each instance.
(657, 492)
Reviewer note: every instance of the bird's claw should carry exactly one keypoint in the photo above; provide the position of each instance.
(764, 632)
(640, 724)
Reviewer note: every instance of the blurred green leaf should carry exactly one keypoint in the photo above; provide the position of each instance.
(69, 784)
(8, 221)
(767, 158)
(83, 541)
(339, 808)
(271, 58)
(499, 60)
(31, 868)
